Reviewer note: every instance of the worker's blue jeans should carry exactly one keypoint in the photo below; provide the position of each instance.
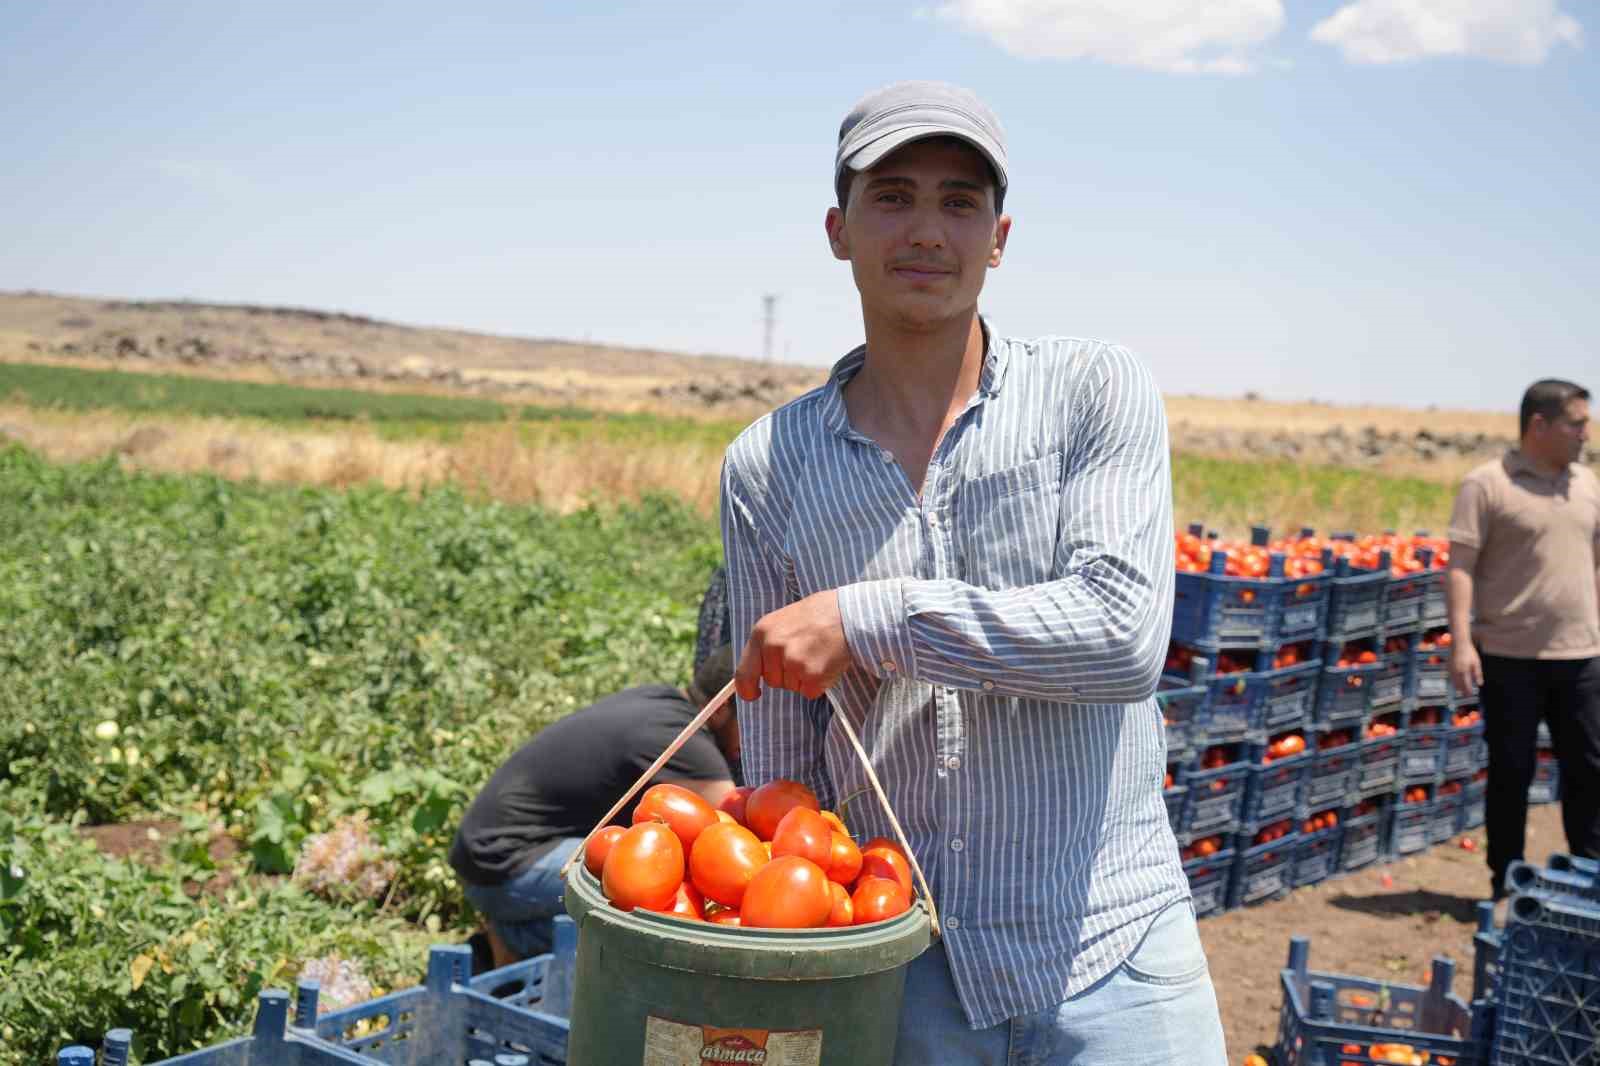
(522, 909)
(1157, 1009)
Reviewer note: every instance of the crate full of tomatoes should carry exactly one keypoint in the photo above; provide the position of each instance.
(1237, 593)
(1208, 863)
(1263, 863)
(767, 857)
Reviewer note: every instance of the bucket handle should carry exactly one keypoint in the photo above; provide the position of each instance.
(699, 720)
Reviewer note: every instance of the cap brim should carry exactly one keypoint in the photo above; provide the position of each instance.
(868, 155)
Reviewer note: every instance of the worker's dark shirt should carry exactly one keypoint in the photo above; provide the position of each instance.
(560, 783)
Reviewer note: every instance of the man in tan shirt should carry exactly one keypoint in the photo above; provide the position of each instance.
(1524, 594)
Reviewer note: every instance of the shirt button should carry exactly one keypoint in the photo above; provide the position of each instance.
(887, 457)
(956, 844)
(888, 666)
(988, 686)
(953, 762)
(952, 922)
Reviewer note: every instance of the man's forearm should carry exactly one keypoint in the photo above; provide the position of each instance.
(1458, 596)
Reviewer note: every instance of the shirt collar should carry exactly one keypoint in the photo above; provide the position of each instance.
(1517, 463)
(996, 354)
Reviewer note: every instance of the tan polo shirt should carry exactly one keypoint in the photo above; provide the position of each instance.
(1532, 544)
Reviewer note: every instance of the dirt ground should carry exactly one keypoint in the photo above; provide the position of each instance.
(1386, 922)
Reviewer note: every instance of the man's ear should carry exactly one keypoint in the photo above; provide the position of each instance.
(1002, 230)
(837, 240)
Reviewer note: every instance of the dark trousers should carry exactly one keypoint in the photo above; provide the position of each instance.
(1516, 695)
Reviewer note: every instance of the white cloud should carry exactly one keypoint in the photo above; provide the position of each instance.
(1395, 31)
(1179, 36)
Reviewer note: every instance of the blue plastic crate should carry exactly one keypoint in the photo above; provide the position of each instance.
(1231, 710)
(1430, 672)
(1443, 818)
(1316, 857)
(1409, 825)
(1261, 871)
(1391, 679)
(451, 1019)
(1379, 771)
(1213, 610)
(1485, 954)
(1180, 704)
(1564, 877)
(1322, 1013)
(1422, 758)
(1174, 798)
(1547, 989)
(1365, 835)
(1546, 787)
(1474, 809)
(1334, 771)
(1216, 796)
(1208, 882)
(1344, 693)
(1277, 789)
(1286, 695)
(1461, 744)
(1408, 603)
(1355, 601)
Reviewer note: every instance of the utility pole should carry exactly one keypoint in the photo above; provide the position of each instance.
(769, 305)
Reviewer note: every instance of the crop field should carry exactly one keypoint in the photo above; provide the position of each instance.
(354, 610)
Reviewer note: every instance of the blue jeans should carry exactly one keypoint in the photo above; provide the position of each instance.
(1157, 1009)
(521, 909)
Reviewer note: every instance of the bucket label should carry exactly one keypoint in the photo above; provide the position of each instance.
(669, 1043)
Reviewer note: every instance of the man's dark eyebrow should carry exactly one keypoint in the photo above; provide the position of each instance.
(895, 180)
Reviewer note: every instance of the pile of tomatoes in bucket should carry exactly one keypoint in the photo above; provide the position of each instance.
(767, 857)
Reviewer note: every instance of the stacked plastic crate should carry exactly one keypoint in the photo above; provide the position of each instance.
(1538, 978)
(513, 1016)
(1330, 1018)
(1250, 641)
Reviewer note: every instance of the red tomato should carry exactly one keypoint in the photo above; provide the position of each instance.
(844, 860)
(834, 821)
(598, 846)
(723, 860)
(843, 912)
(805, 833)
(766, 806)
(726, 916)
(787, 893)
(734, 802)
(687, 813)
(877, 898)
(644, 869)
(725, 817)
(687, 903)
(879, 861)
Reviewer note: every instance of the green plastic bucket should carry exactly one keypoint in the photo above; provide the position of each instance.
(654, 990)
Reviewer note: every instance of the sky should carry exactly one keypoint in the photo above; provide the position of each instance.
(1358, 201)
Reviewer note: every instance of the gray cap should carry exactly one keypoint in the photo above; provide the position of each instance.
(911, 110)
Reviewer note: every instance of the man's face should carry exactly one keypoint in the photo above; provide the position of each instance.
(920, 232)
(1561, 439)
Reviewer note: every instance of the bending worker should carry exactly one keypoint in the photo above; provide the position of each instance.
(540, 805)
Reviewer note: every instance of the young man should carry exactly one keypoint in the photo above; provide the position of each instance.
(963, 543)
(542, 802)
(1524, 593)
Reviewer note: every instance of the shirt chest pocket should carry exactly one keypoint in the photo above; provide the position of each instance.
(1006, 522)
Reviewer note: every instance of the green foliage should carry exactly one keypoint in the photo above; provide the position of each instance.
(395, 416)
(77, 389)
(270, 659)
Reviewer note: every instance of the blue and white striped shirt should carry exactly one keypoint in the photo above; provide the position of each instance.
(1007, 629)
